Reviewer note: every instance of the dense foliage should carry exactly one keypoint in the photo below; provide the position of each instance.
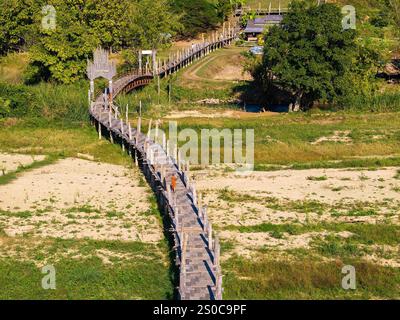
(313, 58)
(202, 15)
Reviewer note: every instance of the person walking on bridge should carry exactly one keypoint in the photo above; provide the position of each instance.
(173, 183)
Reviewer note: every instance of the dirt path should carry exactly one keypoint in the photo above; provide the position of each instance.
(224, 65)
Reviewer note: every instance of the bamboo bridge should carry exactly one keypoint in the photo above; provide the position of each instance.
(197, 250)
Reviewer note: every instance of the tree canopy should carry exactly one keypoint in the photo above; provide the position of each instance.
(311, 56)
(81, 25)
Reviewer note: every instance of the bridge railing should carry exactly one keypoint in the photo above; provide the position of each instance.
(153, 171)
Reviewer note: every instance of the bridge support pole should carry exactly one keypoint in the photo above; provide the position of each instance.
(209, 233)
(99, 129)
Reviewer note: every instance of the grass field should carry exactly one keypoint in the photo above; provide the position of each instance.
(80, 273)
(89, 264)
(315, 140)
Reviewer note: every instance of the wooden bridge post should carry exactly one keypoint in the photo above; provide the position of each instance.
(205, 218)
(218, 289)
(122, 135)
(90, 99)
(183, 263)
(194, 194)
(168, 154)
(156, 133)
(200, 203)
(140, 62)
(164, 142)
(139, 124)
(209, 234)
(178, 160)
(154, 58)
(149, 129)
(217, 249)
(99, 129)
(169, 193)
(105, 99)
(175, 155)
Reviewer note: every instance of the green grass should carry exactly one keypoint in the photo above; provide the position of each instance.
(266, 278)
(87, 277)
(58, 139)
(18, 214)
(320, 178)
(356, 213)
(363, 233)
(292, 137)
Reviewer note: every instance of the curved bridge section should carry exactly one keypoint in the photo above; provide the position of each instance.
(197, 251)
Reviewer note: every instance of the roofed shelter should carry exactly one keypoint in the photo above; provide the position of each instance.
(257, 26)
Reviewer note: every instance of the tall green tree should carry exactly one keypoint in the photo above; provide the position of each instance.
(82, 25)
(196, 16)
(17, 29)
(310, 55)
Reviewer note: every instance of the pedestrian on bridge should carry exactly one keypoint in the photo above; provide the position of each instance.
(173, 183)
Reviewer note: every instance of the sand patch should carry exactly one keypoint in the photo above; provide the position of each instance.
(336, 185)
(214, 114)
(388, 256)
(10, 162)
(199, 114)
(337, 136)
(75, 199)
(290, 196)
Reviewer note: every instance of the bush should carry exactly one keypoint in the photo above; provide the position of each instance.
(15, 101)
(50, 101)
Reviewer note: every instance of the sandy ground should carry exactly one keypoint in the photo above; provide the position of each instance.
(76, 198)
(234, 200)
(337, 136)
(210, 114)
(11, 162)
(340, 184)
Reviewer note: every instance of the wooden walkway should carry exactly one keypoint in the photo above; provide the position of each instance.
(197, 252)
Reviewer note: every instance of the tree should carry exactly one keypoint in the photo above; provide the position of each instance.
(16, 24)
(309, 55)
(395, 11)
(196, 16)
(81, 26)
(152, 24)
